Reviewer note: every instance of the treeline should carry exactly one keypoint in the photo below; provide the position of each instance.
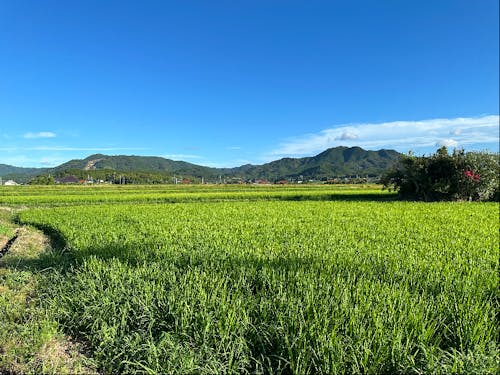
(472, 176)
(104, 176)
(110, 176)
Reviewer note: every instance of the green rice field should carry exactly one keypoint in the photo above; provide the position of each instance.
(74, 195)
(302, 280)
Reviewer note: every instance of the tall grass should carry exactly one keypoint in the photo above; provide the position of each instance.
(292, 287)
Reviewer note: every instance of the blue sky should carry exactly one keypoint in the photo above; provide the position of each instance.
(223, 83)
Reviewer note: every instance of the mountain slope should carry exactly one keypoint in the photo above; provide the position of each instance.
(134, 163)
(334, 162)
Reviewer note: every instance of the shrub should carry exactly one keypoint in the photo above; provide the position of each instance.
(441, 176)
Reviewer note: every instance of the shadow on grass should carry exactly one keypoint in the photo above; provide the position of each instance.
(54, 257)
(61, 258)
(347, 197)
(133, 254)
(364, 197)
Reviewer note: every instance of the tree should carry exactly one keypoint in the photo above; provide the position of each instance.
(459, 176)
(42, 180)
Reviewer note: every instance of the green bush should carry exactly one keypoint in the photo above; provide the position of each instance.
(441, 176)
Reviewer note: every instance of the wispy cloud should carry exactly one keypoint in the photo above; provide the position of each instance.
(233, 148)
(347, 136)
(22, 160)
(98, 149)
(50, 161)
(39, 135)
(65, 148)
(399, 135)
(456, 131)
(447, 143)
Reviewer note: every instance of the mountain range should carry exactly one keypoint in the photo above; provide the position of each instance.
(333, 162)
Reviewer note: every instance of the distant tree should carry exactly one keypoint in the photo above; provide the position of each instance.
(42, 180)
(441, 176)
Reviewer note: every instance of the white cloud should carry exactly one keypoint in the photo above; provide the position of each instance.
(19, 160)
(233, 148)
(42, 156)
(447, 143)
(346, 136)
(399, 135)
(39, 135)
(65, 148)
(51, 161)
(96, 149)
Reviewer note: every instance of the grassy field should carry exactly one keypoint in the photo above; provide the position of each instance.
(264, 279)
(31, 340)
(70, 195)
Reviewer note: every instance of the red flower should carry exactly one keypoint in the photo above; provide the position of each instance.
(472, 176)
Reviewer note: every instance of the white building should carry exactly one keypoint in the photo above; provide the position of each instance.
(10, 183)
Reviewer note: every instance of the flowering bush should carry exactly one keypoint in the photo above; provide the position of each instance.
(459, 176)
(472, 176)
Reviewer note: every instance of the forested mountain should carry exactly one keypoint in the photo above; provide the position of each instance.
(124, 163)
(334, 162)
(19, 174)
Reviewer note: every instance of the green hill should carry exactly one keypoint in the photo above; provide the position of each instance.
(334, 162)
(126, 163)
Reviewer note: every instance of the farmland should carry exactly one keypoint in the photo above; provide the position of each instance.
(74, 195)
(301, 279)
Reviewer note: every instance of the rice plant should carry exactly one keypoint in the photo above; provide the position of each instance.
(279, 286)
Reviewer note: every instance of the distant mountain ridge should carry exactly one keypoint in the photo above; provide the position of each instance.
(18, 173)
(333, 162)
(126, 163)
